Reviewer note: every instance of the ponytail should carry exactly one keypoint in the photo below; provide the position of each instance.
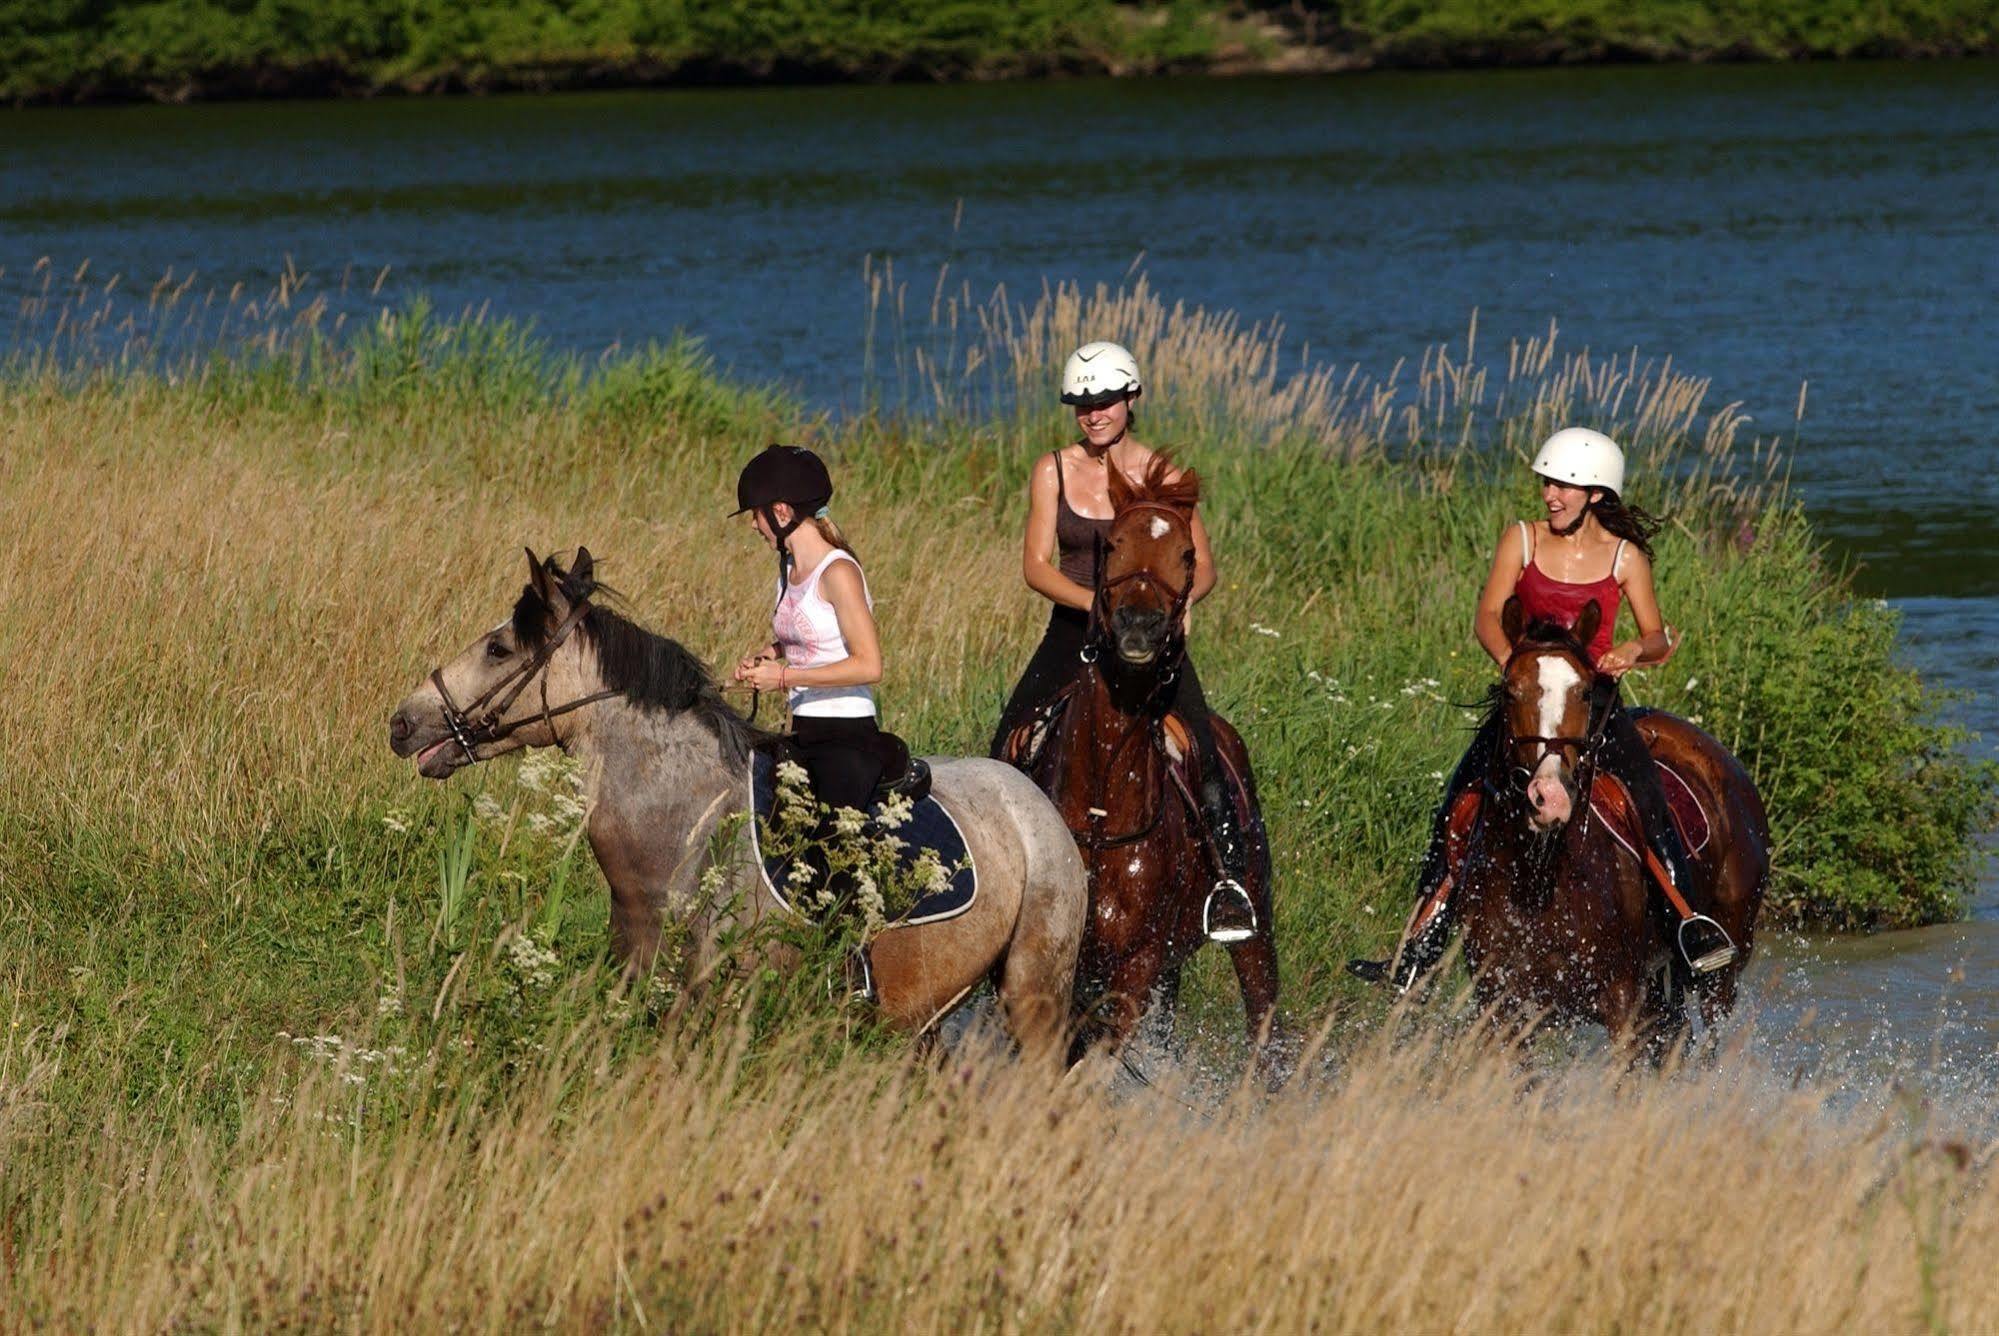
(1633, 525)
(831, 533)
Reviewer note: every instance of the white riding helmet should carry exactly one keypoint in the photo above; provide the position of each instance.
(1582, 458)
(1099, 373)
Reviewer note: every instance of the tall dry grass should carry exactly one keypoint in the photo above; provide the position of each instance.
(1424, 1189)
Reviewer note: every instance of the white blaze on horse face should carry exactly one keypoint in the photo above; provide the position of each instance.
(1557, 678)
(1159, 527)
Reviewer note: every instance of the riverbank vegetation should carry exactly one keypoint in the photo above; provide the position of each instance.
(70, 51)
(295, 1037)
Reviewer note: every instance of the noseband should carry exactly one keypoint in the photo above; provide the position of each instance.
(484, 719)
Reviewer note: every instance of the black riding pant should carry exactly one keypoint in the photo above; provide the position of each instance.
(1057, 660)
(841, 757)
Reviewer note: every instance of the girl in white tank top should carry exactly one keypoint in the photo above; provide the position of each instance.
(805, 627)
(824, 652)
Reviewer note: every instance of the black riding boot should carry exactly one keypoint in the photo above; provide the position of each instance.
(1228, 915)
(1428, 933)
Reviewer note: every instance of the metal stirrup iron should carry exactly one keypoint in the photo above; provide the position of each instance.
(1713, 959)
(1225, 935)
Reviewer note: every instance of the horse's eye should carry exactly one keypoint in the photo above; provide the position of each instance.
(497, 649)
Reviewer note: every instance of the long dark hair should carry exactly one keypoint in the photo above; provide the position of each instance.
(1633, 525)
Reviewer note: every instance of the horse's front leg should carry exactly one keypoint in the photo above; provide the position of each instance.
(1128, 987)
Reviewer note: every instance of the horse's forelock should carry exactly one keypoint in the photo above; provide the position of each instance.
(1541, 633)
(1158, 487)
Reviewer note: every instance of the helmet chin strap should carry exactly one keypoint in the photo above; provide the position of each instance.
(782, 534)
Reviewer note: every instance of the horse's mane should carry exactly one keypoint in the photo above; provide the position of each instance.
(1181, 493)
(650, 670)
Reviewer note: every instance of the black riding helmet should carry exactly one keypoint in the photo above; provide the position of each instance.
(788, 473)
(791, 474)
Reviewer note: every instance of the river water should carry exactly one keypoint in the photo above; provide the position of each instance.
(1766, 226)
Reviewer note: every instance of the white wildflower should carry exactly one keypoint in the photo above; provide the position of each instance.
(869, 896)
(1693, 682)
(930, 873)
(847, 821)
(533, 963)
(396, 821)
(790, 774)
(895, 812)
(389, 1003)
(1263, 630)
(487, 809)
(801, 873)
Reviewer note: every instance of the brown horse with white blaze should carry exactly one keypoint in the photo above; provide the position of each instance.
(667, 762)
(1563, 918)
(1112, 768)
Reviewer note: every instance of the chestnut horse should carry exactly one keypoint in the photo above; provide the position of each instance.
(1107, 766)
(668, 765)
(1562, 920)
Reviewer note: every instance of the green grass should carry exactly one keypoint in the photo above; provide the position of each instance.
(80, 50)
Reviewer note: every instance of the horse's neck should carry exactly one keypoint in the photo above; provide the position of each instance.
(1104, 734)
(1541, 876)
(662, 785)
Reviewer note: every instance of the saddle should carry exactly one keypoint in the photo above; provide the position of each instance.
(929, 829)
(1027, 748)
(902, 774)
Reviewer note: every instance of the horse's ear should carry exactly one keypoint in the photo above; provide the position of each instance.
(538, 579)
(1509, 619)
(1588, 621)
(582, 574)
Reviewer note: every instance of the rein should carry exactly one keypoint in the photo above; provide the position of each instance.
(484, 719)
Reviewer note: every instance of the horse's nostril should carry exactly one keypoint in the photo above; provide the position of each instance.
(399, 727)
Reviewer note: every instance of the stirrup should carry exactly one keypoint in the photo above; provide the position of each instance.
(861, 977)
(1709, 961)
(1227, 932)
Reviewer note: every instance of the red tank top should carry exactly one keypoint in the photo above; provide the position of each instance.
(1544, 598)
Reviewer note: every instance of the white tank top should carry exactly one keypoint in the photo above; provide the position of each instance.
(808, 631)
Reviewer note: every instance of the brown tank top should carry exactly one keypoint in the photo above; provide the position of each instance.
(1075, 535)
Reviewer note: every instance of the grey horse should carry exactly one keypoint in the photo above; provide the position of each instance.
(666, 758)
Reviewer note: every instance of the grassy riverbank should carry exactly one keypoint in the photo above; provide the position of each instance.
(293, 1036)
(59, 51)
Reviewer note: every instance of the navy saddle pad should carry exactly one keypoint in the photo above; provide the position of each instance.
(929, 827)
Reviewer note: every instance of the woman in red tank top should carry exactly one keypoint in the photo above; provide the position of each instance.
(1591, 548)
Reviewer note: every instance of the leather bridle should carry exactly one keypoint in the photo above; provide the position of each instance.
(1585, 745)
(1147, 723)
(484, 719)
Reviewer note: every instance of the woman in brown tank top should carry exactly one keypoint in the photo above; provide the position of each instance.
(1068, 511)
